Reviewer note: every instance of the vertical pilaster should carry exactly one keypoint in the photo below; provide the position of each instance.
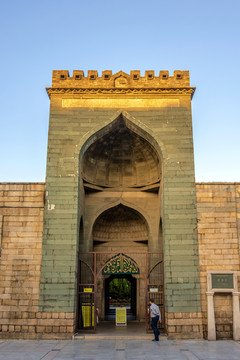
(236, 316)
(211, 317)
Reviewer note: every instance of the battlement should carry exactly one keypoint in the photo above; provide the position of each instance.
(62, 79)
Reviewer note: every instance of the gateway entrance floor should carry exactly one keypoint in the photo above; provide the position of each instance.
(118, 350)
(107, 330)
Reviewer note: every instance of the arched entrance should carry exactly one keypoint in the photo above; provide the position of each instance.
(97, 270)
(120, 286)
(120, 278)
(120, 291)
(119, 230)
(120, 189)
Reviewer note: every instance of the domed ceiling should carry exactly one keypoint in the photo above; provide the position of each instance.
(121, 158)
(120, 224)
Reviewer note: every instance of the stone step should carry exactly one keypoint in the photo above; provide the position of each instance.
(117, 337)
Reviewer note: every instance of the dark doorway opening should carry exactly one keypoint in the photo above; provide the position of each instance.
(120, 291)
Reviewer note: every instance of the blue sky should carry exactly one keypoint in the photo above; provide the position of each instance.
(39, 36)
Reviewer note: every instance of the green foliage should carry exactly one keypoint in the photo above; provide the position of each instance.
(120, 288)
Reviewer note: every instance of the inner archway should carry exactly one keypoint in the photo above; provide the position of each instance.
(120, 227)
(120, 291)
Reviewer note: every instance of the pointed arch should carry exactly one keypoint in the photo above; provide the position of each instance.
(120, 264)
(113, 205)
(102, 129)
(121, 154)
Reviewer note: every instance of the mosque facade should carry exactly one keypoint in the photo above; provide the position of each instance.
(120, 205)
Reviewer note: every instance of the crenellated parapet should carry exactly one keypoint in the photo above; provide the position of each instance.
(61, 78)
(120, 82)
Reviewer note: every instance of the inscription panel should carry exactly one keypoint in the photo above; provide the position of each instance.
(222, 281)
(120, 103)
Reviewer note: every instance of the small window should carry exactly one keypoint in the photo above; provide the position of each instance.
(179, 76)
(135, 77)
(77, 77)
(62, 76)
(150, 76)
(92, 77)
(106, 77)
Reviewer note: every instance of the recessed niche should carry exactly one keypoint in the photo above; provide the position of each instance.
(121, 158)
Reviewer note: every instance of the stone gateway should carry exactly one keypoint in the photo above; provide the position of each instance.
(120, 216)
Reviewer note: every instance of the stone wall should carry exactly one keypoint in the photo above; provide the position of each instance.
(21, 217)
(184, 325)
(21, 224)
(218, 206)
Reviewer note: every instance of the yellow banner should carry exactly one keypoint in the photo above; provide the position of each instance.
(86, 315)
(121, 316)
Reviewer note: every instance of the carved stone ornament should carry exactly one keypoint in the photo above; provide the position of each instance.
(132, 91)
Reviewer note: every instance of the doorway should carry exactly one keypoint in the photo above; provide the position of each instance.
(96, 270)
(120, 291)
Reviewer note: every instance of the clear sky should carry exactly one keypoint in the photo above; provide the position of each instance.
(39, 36)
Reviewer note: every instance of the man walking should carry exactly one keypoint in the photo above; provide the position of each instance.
(155, 316)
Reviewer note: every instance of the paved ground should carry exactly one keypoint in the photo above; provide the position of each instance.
(118, 350)
(107, 330)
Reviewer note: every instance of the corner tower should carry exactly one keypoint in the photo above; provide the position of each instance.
(120, 176)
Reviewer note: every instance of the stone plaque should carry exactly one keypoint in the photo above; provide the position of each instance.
(222, 281)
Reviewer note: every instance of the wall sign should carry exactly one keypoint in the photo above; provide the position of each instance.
(121, 317)
(87, 290)
(222, 281)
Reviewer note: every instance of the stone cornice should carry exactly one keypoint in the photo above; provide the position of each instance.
(121, 91)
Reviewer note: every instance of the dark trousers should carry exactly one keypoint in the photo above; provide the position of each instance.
(154, 327)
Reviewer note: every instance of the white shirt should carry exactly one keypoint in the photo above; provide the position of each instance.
(155, 311)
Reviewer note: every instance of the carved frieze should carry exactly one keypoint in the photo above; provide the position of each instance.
(122, 91)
